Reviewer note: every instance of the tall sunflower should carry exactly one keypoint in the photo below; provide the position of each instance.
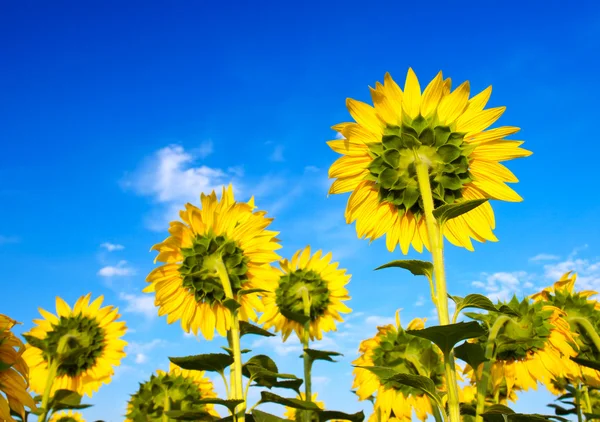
(90, 340)
(222, 233)
(582, 314)
(312, 278)
(181, 387)
(444, 129)
(14, 373)
(533, 346)
(408, 354)
(67, 416)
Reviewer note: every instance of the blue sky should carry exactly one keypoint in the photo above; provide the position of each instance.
(114, 114)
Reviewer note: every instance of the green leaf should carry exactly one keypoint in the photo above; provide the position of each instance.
(260, 416)
(288, 384)
(260, 361)
(498, 409)
(230, 404)
(230, 351)
(295, 316)
(247, 328)
(190, 415)
(472, 353)
(214, 362)
(66, 399)
(267, 397)
(589, 416)
(415, 266)
(446, 336)
(559, 410)
(250, 291)
(321, 355)
(327, 415)
(231, 304)
(478, 301)
(588, 363)
(450, 211)
(507, 310)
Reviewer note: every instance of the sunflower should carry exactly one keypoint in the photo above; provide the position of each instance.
(298, 415)
(405, 353)
(90, 338)
(223, 233)
(182, 387)
(534, 346)
(443, 129)
(65, 416)
(14, 373)
(581, 313)
(315, 277)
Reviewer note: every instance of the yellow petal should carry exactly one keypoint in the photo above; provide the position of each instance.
(411, 101)
(365, 115)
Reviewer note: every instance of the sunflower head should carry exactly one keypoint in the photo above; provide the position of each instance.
(67, 416)
(533, 345)
(298, 415)
(223, 238)
(14, 373)
(308, 285)
(439, 128)
(184, 389)
(84, 341)
(394, 347)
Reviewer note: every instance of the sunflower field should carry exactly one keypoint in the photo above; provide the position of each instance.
(423, 167)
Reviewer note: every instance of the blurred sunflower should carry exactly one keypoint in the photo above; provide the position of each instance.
(405, 353)
(315, 277)
(14, 373)
(90, 338)
(183, 388)
(582, 314)
(224, 235)
(442, 129)
(67, 416)
(534, 346)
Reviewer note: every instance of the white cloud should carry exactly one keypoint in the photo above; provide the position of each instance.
(138, 304)
(588, 272)
(112, 246)
(503, 285)
(277, 154)
(320, 380)
(420, 301)
(375, 320)
(120, 270)
(136, 348)
(280, 348)
(544, 257)
(141, 358)
(8, 239)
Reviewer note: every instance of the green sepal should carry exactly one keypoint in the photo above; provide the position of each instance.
(391, 157)
(471, 353)
(410, 140)
(295, 316)
(450, 211)
(212, 362)
(427, 137)
(321, 355)
(232, 304)
(190, 415)
(446, 336)
(247, 328)
(415, 266)
(441, 133)
(268, 397)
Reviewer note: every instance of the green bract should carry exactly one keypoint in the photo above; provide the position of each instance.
(198, 267)
(290, 290)
(393, 166)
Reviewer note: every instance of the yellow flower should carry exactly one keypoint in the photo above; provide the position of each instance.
(533, 347)
(393, 347)
(315, 277)
(65, 416)
(444, 129)
(86, 327)
(14, 373)
(223, 233)
(298, 415)
(184, 388)
(581, 313)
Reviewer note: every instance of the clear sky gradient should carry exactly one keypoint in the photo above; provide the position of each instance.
(115, 113)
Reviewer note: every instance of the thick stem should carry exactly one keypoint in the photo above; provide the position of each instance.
(52, 369)
(233, 335)
(482, 385)
(436, 245)
(166, 407)
(306, 357)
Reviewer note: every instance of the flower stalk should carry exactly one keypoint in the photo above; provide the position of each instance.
(52, 370)
(306, 357)
(436, 244)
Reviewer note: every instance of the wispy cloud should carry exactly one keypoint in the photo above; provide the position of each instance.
(140, 351)
(112, 246)
(139, 304)
(119, 270)
(275, 344)
(544, 257)
(503, 285)
(277, 154)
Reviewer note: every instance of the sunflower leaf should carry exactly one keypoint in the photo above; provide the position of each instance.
(589, 416)
(267, 397)
(450, 211)
(472, 353)
(288, 384)
(446, 336)
(321, 355)
(213, 362)
(327, 415)
(230, 404)
(260, 416)
(587, 363)
(190, 415)
(230, 351)
(247, 328)
(250, 291)
(295, 316)
(499, 409)
(66, 399)
(249, 418)
(415, 266)
(473, 301)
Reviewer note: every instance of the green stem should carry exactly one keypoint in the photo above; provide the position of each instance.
(233, 336)
(482, 385)
(578, 403)
(437, 251)
(586, 396)
(307, 361)
(52, 369)
(166, 407)
(225, 383)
